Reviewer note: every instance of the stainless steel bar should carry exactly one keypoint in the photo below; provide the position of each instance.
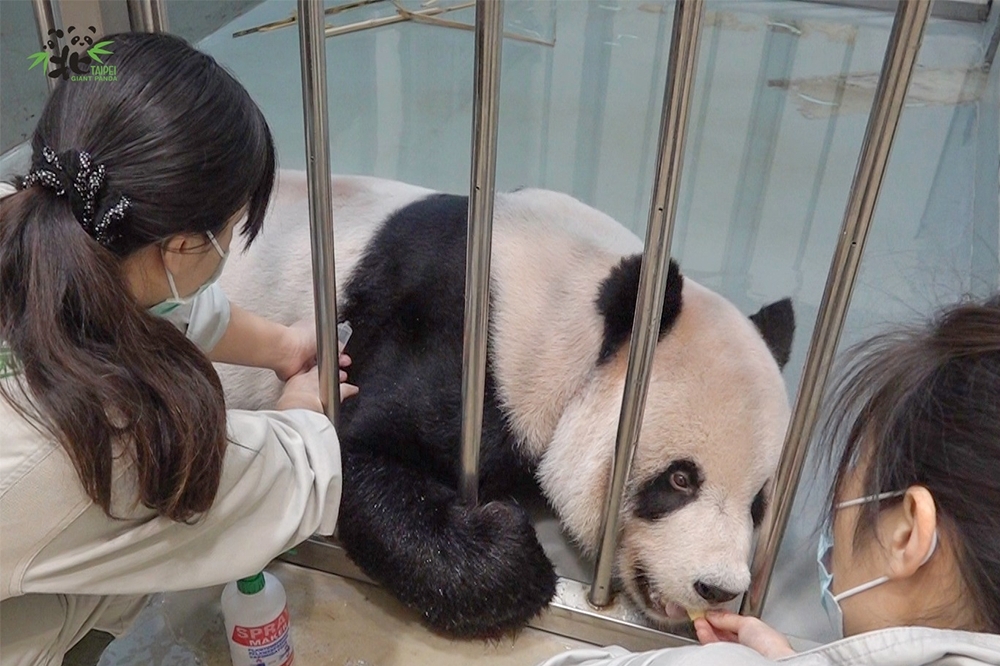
(486, 102)
(312, 52)
(46, 21)
(900, 57)
(681, 68)
(147, 15)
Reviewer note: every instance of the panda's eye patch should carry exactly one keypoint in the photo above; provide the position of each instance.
(668, 491)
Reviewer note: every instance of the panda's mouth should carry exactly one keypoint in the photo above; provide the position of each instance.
(654, 603)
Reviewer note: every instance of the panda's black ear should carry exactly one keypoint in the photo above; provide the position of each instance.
(776, 323)
(616, 303)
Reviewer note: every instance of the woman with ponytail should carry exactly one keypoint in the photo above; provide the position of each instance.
(121, 471)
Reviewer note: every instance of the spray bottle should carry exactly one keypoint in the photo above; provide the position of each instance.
(256, 615)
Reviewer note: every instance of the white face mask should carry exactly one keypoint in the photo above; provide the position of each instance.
(176, 300)
(831, 601)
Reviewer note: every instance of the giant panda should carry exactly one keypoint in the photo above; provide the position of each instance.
(563, 288)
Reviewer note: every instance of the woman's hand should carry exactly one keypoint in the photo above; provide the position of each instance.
(728, 627)
(298, 350)
(346, 390)
(302, 390)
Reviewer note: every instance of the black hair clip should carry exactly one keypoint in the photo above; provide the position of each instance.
(73, 173)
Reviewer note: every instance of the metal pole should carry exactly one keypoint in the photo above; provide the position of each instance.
(652, 278)
(486, 94)
(46, 21)
(900, 56)
(312, 52)
(147, 15)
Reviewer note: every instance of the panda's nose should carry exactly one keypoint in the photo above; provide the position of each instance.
(714, 594)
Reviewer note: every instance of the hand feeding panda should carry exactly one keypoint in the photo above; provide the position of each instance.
(563, 286)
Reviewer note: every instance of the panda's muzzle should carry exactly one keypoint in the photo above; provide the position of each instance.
(671, 611)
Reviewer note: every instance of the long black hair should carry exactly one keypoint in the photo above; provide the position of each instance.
(921, 406)
(182, 141)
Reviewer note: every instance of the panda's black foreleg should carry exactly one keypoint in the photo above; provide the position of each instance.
(471, 572)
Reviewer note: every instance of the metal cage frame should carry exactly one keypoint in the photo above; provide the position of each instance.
(579, 611)
(590, 613)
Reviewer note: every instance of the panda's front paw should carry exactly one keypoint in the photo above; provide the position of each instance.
(504, 577)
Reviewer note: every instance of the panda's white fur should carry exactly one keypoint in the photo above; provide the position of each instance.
(716, 395)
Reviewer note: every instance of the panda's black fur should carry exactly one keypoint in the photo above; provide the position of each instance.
(470, 571)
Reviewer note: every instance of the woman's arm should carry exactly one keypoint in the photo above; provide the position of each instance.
(717, 654)
(281, 482)
(257, 342)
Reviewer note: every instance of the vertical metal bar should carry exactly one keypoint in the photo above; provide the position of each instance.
(681, 69)
(486, 102)
(312, 52)
(147, 15)
(649, 123)
(900, 57)
(46, 21)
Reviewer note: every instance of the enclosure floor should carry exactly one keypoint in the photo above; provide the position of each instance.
(335, 622)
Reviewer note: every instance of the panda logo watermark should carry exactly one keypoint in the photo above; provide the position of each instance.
(75, 61)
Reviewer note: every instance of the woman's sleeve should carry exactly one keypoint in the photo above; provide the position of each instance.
(716, 654)
(281, 482)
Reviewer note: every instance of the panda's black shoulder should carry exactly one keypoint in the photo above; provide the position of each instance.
(426, 224)
(420, 248)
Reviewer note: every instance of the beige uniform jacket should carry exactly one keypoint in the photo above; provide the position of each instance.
(66, 567)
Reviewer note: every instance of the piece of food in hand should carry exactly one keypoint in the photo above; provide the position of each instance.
(695, 614)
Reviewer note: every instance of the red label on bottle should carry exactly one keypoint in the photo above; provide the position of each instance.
(263, 635)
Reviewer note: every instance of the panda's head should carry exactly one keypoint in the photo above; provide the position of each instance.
(712, 431)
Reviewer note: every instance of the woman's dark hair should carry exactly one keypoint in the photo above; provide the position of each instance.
(182, 140)
(921, 406)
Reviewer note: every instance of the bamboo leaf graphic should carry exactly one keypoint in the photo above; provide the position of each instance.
(97, 50)
(38, 58)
